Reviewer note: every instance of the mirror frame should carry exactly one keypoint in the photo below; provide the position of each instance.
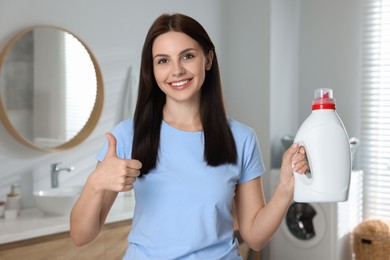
(93, 118)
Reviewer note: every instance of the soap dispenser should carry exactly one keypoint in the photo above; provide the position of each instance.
(328, 153)
(14, 202)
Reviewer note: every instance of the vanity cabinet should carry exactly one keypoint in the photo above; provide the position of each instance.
(110, 244)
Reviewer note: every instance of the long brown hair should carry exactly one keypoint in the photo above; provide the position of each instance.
(219, 147)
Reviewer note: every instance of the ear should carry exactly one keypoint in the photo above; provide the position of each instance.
(209, 59)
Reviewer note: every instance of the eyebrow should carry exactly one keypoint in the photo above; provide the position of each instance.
(181, 53)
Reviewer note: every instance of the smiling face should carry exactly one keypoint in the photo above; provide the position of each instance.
(180, 65)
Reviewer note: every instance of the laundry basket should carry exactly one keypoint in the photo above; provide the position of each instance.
(371, 240)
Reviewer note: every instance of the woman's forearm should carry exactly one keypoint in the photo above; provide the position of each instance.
(268, 219)
(89, 213)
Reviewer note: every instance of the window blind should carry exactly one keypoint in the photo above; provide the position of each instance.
(374, 152)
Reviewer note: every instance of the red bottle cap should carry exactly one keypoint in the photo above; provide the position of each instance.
(323, 99)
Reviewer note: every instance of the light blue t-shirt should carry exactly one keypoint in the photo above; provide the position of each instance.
(183, 207)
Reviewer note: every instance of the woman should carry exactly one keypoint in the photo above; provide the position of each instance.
(185, 159)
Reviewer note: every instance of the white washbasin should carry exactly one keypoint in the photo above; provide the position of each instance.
(57, 201)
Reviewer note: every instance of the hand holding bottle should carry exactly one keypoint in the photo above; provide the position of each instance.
(294, 160)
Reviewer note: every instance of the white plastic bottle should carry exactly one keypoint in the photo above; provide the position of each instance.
(328, 152)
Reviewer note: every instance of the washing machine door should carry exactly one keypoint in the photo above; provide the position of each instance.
(305, 224)
(299, 220)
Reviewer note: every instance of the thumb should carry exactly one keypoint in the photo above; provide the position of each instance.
(111, 151)
(289, 154)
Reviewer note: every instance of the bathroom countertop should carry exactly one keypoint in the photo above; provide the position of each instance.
(34, 223)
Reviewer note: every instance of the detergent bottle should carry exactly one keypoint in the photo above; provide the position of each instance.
(328, 153)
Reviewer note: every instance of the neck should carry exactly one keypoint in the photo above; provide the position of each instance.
(183, 117)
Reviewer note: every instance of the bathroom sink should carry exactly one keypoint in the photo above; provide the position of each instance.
(57, 201)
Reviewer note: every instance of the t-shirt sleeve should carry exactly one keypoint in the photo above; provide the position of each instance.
(252, 161)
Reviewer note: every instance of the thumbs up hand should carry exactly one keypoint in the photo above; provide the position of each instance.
(116, 174)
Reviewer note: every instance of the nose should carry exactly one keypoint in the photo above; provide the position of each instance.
(178, 69)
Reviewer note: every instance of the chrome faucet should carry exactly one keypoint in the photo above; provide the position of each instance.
(55, 171)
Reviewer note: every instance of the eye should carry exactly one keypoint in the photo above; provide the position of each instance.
(188, 56)
(162, 61)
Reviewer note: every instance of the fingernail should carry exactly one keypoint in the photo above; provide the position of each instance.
(295, 145)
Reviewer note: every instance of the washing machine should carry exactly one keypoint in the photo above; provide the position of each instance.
(319, 231)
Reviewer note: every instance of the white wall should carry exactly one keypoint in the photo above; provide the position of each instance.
(246, 68)
(329, 51)
(284, 87)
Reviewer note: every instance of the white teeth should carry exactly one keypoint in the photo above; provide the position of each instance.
(180, 83)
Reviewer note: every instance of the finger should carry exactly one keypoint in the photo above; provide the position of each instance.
(125, 182)
(298, 157)
(132, 173)
(130, 180)
(111, 151)
(127, 187)
(300, 167)
(134, 164)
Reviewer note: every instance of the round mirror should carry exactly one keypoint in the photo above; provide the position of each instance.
(51, 89)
